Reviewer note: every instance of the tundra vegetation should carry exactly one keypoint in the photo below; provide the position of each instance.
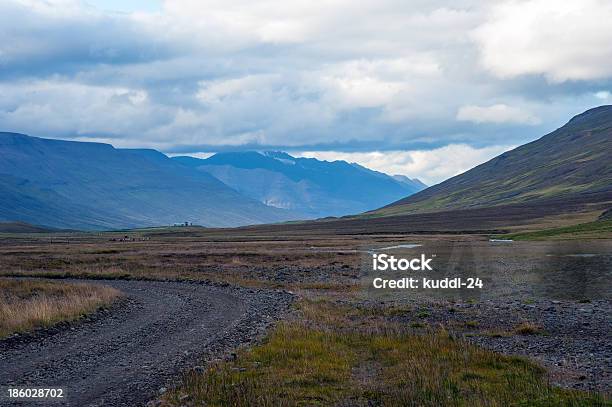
(599, 229)
(27, 304)
(346, 355)
(334, 348)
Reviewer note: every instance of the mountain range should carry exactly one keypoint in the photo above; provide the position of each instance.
(75, 185)
(307, 186)
(78, 185)
(560, 180)
(94, 186)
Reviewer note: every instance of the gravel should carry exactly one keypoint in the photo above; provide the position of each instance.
(130, 354)
(572, 342)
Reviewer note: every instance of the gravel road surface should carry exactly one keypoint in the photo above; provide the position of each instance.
(123, 357)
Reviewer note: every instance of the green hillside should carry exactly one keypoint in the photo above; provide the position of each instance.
(572, 161)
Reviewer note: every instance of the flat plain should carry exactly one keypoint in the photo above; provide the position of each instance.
(538, 330)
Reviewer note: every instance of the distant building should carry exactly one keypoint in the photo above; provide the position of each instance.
(183, 224)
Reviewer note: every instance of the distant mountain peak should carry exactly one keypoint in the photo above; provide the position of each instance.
(280, 156)
(408, 180)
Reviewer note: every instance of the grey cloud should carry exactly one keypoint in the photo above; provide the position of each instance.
(389, 75)
(38, 42)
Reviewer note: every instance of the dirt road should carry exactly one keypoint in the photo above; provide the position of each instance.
(126, 357)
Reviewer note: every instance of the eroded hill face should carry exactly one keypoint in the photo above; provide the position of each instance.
(572, 161)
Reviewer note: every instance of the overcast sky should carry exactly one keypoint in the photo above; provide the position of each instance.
(422, 88)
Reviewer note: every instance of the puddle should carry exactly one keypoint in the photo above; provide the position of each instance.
(400, 246)
(371, 251)
(317, 249)
(501, 240)
(575, 255)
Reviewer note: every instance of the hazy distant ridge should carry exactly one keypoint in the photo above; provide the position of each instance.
(79, 185)
(309, 186)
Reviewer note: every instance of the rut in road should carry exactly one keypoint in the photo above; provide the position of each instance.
(124, 358)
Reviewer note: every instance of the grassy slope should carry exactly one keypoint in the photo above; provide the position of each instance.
(601, 229)
(348, 356)
(571, 161)
(26, 305)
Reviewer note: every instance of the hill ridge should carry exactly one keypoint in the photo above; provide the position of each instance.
(573, 159)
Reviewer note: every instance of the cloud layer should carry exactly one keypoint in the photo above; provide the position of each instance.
(499, 113)
(432, 166)
(562, 40)
(414, 76)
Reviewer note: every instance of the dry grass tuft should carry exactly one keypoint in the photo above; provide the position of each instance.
(28, 304)
(528, 328)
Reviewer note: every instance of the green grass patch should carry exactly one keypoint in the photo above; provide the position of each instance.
(598, 229)
(295, 366)
(336, 355)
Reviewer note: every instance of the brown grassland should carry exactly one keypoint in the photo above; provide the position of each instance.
(331, 350)
(26, 305)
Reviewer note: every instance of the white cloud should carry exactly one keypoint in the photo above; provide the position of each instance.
(216, 91)
(602, 94)
(563, 40)
(430, 166)
(202, 155)
(372, 83)
(54, 105)
(194, 74)
(499, 113)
